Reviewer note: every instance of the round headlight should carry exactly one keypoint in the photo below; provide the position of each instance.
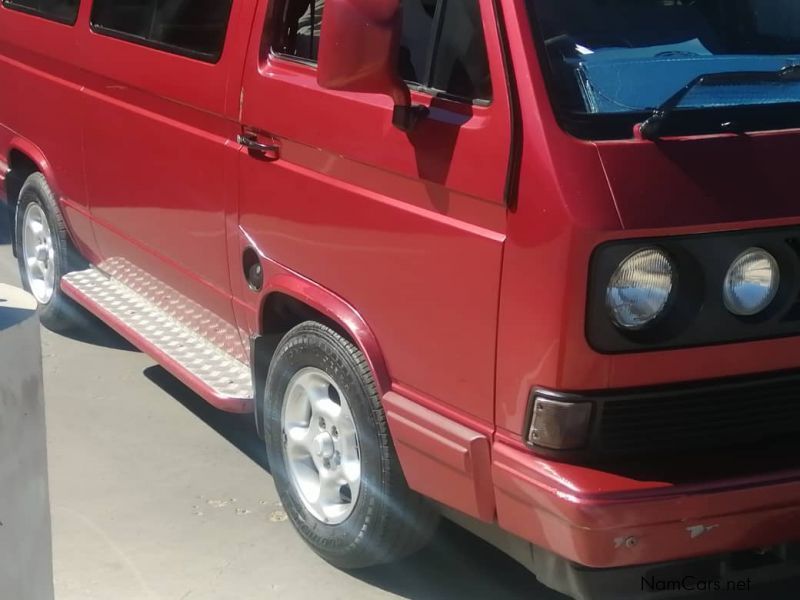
(751, 283)
(640, 288)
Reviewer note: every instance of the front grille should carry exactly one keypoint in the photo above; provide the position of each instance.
(747, 411)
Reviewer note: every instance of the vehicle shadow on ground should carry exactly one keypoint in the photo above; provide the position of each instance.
(5, 230)
(238, 430)
(88, 329)
(457, 565)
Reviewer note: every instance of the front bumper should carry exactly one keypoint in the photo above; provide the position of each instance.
(601, 519)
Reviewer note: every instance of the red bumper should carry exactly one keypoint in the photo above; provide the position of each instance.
(599, 519)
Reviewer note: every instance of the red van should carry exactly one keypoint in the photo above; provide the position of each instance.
(531, 265)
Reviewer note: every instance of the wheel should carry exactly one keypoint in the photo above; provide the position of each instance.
(43, 251)
(331, 455)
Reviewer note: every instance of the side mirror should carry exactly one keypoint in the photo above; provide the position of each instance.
(358, 52)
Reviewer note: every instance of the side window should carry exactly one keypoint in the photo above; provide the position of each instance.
(418, 17)
(443, 49)
(461, 66)
(194, 28)
(298, 29)
(64, 11)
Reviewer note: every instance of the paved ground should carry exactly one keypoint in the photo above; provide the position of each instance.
(157, 496)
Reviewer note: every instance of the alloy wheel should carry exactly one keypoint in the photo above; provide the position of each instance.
(321, 448)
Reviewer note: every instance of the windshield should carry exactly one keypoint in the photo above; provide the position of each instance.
(620, 59)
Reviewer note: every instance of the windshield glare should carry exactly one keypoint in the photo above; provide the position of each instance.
(630, 56)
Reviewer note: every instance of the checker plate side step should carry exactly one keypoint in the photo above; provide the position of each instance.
(215, 375)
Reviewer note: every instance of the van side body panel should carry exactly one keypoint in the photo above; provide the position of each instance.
(403, 227)
(42, 109)
(160, 149)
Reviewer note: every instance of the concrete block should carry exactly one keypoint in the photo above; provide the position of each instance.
(26, 566)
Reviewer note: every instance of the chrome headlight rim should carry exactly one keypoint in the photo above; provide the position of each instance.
(769, 300)
(664, 309)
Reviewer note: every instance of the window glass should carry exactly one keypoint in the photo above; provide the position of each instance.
(65, 11)
(418, 18)
(298, 33)
(461, 67)
(442, 47)
(192, 27)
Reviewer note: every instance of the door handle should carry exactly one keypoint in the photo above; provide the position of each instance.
(250, 141)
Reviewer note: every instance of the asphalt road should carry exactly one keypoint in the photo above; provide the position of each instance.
(157, 496)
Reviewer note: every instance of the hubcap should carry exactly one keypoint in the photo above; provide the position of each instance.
(321, 446)
(38, 253)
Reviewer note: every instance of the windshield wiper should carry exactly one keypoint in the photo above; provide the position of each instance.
(652, 127)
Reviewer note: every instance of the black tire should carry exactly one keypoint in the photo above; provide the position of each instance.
(58, 313)
(388, 521)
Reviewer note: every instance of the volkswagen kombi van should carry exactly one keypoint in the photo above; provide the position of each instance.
(533, 265)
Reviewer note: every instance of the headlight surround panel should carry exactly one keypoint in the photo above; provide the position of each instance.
(696, 315)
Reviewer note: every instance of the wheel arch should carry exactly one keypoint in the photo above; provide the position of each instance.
(24, 159)
(288, 300)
